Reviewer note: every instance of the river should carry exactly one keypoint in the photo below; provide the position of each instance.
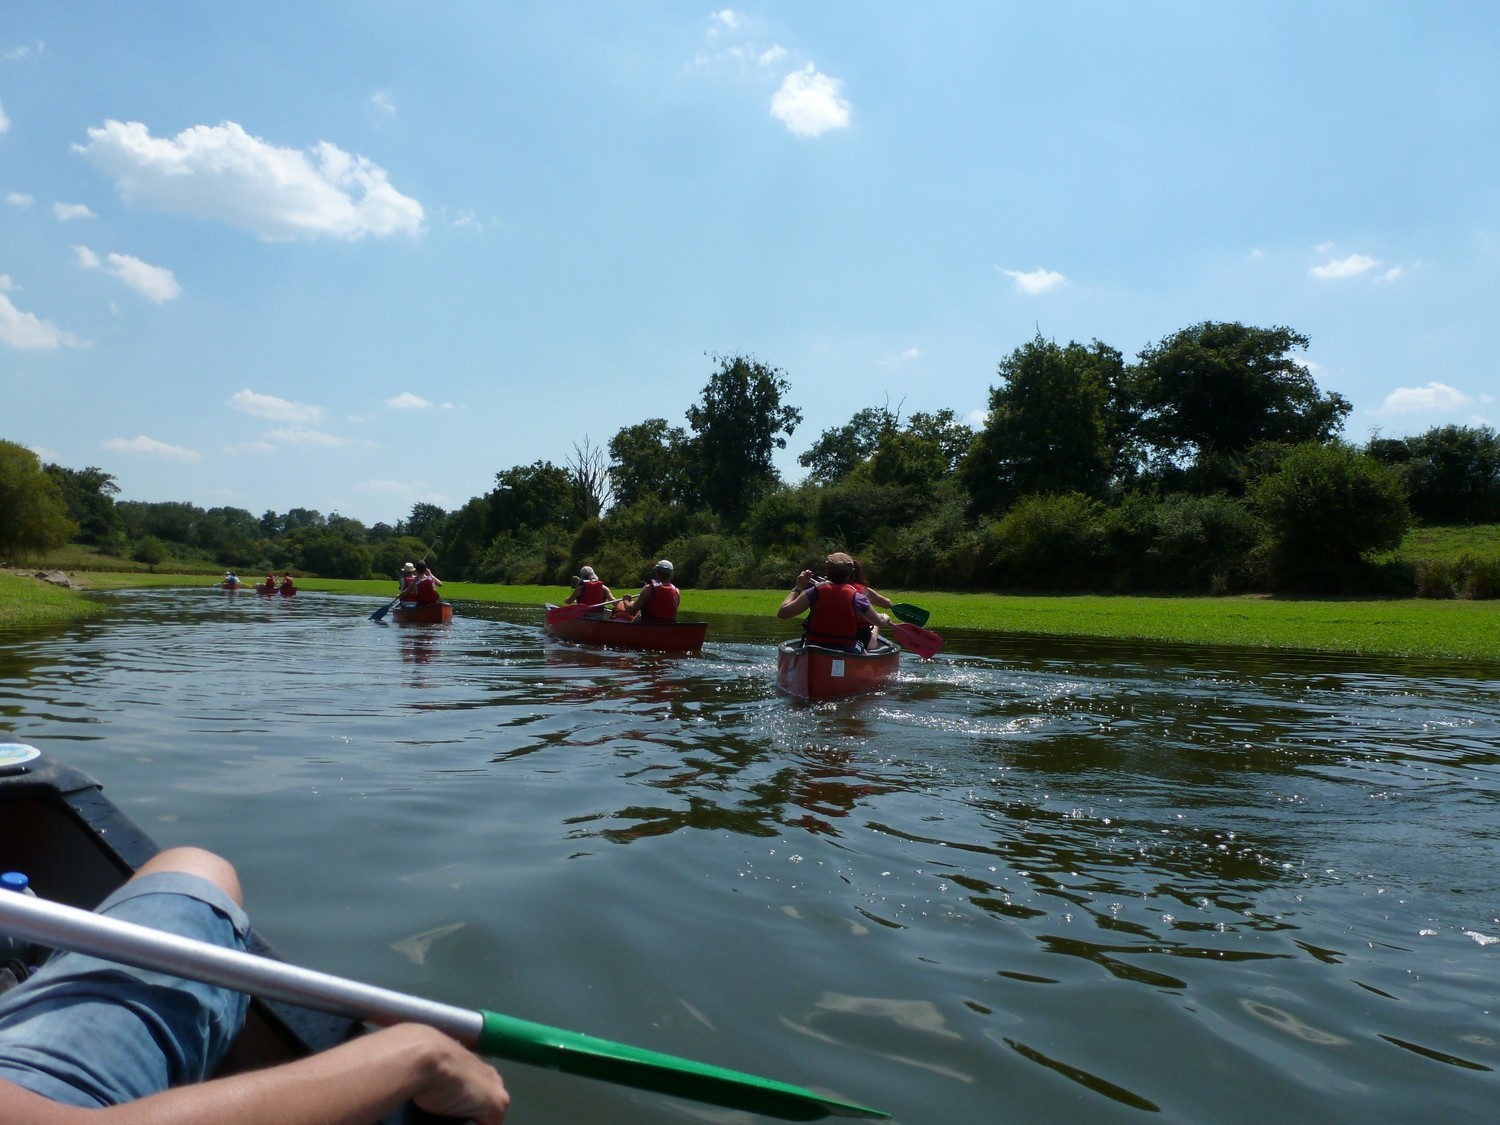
(1032, 881)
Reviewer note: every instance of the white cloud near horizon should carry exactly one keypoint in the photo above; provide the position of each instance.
(222, 173)
(67, 212)
(308, 437)
(27, 331)
(1037, 281)
(1434, 398)
(150, 447)
(407, 401)
(19, 199)
(155, 283)
(273, 408)
(1337, 269)
(808, 103)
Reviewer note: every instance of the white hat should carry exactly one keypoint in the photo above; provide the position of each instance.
(588, 575)
(408, 566)
(665, 564)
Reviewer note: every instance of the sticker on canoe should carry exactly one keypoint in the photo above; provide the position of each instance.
(837, 668)
(14, 754)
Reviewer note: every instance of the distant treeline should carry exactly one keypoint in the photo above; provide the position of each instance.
(1212, 463)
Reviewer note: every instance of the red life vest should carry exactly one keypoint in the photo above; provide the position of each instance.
(661, 606)
(591, 592)
(427, 590)
(832, 620)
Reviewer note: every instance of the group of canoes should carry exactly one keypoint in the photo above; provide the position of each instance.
(270, 588)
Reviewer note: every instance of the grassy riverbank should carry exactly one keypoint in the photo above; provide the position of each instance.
(27, 602)
(1419, 628)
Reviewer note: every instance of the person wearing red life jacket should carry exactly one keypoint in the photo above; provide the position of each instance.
(287, 585)
(426, 588)
(589, 590)
(835, 610)
(868, 632)
(408, 594)
(270, 583)
(658, 600)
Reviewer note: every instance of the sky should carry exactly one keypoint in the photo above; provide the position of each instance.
(354, 256)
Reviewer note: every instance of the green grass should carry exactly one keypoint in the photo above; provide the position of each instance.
(28, 603)
(1449, 542)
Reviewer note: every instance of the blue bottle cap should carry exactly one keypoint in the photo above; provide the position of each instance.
(14, 881)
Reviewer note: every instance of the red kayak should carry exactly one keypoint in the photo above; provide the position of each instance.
(678, 636)
(438, 613)
(813, 672)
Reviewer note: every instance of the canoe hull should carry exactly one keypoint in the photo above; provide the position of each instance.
(813, 672)
(679, 636)
(58, 827)
(439, 613)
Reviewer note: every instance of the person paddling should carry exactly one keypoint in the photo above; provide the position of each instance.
(590, 590)
(836, 610)
(426, 588)
(658, 600)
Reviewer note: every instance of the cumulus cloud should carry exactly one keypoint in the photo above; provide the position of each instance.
(4, 121)
(223, 173)
(1391, 274)
(27, 331)
(901, 357)
(1434, 398)
(276, 409)
(150, 447)
(383, 103)
(249, 447)
(728, 19)
(156, 283)
(1337, 269)
(1037, 281)
(306, 437)
(407, 401)
(19, 199)
(808, 103)
(66, 212)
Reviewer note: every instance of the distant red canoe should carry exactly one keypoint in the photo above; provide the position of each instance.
(814, 672)
(439, 613)
(679, 636)
(268, 591)
(288, 591)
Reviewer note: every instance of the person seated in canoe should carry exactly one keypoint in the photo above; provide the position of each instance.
(868, 632)
(835, 609)
(408, 594)
(426, 588)
(230, 579)
(87, 1034)
(287, 585)
(589, 590)
(658, 600)
(270, 582)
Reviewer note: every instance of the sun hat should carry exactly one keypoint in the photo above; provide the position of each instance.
(408, 566)
(838, 558)
(588, 575)
(666, 565)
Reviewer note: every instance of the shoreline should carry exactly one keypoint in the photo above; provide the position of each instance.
(1411, 628)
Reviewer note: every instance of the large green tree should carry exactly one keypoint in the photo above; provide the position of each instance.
(738, 423)
(648, 460)
(528, 497)
(839, 452)
(1218, 389)
(1452, 473)
(1051, 427)
(89, 494)
(33, 510)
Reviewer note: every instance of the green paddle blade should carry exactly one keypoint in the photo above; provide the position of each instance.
(914, 614)
(510, 1038)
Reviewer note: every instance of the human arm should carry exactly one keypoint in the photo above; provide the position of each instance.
(877, 598)
(355, 1083)
(797, 601)
(632, 606)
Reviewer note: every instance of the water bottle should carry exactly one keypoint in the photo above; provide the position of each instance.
(16, 954)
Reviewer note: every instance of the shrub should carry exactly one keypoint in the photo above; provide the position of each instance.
(1436, 578)
(1050, 542)
(1481, 575)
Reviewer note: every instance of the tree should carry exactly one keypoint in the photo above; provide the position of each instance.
(590, 471)
(528, 497)
(649, 459)
(837, 453)
(33, 509)
(738, 423)
(1050, 427)
(151, 551)
(1328, 507)
(89, 495)
(1452, 473)
(1220, 388)
(425, 523)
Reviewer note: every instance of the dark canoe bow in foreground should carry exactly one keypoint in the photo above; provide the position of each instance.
(813, 672)
(438, 613)
(58, 827)
(678, 636)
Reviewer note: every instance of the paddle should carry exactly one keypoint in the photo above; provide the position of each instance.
(557, 614)
(383, 610)
(912, 613)
(924, 642)
(489, 1033)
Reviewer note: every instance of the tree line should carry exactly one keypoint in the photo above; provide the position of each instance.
(1211, 463)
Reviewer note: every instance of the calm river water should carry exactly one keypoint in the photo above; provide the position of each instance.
(1031, 882)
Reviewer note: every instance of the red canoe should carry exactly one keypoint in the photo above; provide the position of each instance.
(438, 613)
(268, 591)
(679, 636)
(814, 672)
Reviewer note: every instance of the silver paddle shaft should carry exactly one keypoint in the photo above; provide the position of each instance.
(56, 926)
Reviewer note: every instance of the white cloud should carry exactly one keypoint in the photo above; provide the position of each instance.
(1434, 398)
(155, 283)
(7, 285)
(1336, 269)
(383, 103)
(977, 419)
(901, 357)
(45, 455)
(28, 332)
(728, 19)
(20, 53)
(772, 54)
(407, 401)
(1037, 281)
(19, 199)
(150, 447)
(1391, 274)
(808, 103)
(249, 447)
(4, 121)
(306, 437)
(66, 212)
(276, 409)
(221, 172)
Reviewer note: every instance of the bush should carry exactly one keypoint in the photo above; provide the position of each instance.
(1050, 543)
(1480, 576)
(1436, 578)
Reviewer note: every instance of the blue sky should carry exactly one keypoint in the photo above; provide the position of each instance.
(352, 256)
